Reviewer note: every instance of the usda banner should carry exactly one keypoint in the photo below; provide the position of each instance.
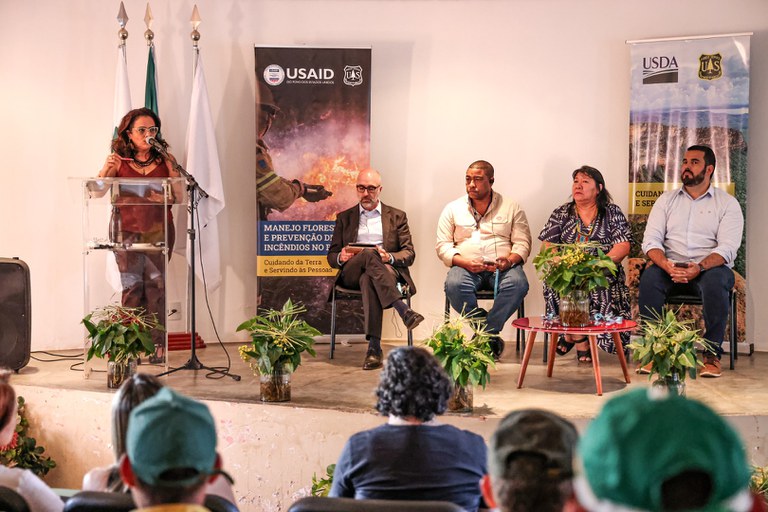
(306, 167)
(686, 92)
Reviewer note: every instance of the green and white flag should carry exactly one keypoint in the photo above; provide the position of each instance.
(150, 90)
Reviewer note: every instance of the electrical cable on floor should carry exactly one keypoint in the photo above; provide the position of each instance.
(221, 371)
(58, 357)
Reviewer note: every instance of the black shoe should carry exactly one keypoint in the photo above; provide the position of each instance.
(372, 360)
(497, 347)
(411, 319)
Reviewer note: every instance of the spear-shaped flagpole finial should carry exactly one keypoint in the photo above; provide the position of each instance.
(195, 21)
(122, 19)
(148, 34)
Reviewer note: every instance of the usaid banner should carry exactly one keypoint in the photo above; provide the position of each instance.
(307, 165)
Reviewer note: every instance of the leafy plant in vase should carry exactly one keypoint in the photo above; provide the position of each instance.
(465, 359)
(572, 271)
(120, 335)
(669, 345)
(278, 338)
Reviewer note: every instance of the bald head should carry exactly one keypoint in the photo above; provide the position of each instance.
(368, 188)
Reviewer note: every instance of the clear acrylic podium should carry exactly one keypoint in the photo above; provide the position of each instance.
(128, 236)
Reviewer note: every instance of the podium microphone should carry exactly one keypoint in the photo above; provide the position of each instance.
(155, 144)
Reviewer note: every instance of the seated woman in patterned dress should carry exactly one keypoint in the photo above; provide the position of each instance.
(591, 217)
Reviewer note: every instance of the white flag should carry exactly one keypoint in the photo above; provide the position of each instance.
(203, 163)
(121, 107)
(122, 91)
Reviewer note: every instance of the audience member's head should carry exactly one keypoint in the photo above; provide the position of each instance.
(648, 450)
(8, 407)
(413, 385)
(133, 391)
(530, 462)
(170, 450)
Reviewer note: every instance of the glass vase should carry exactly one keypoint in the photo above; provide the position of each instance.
(118, 372)
(672, 383)
(462, 399)
(275, 386)
(574, 309)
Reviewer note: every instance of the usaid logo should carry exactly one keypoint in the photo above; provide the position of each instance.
(274, 74)
(353, 75)
(309, 74)
(660, 70)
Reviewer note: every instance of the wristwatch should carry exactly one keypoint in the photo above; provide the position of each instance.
(701, 268)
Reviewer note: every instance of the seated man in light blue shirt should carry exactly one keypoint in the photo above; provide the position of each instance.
(692, 236)
(377, 261)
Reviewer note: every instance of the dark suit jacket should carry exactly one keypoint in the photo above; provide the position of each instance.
(397, 238)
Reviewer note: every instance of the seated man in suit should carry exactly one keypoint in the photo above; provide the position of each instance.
(375, 270)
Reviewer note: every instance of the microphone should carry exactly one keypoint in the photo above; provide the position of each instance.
(155, 144)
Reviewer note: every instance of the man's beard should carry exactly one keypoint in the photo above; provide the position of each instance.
(694, 180)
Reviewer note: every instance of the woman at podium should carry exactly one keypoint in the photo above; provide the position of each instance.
(138, 215)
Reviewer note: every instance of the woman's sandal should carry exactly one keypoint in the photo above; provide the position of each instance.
(563, 346)
(583, 356)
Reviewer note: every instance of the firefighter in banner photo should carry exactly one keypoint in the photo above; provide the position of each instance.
(272, 191)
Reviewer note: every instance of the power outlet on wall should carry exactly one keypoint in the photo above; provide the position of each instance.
(174, 311)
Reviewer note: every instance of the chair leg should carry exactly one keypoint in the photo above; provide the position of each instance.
(734, 330)
(333, 321)
(447, 309)
(408, 302)
(520, 334)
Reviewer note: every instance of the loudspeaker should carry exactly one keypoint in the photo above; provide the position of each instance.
(15, 314)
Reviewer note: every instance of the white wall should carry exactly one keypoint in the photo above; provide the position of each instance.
(537, 87)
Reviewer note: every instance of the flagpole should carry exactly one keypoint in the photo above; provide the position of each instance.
(195, 194)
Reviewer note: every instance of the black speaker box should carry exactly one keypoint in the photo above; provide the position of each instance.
(15, 314)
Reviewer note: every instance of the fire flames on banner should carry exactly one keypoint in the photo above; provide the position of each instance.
(315, 104)
(686, 92)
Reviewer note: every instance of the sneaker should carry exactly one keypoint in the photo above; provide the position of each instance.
(711, 366)
(644, 370)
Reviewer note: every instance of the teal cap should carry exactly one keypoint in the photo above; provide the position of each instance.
(171, 432)
(643, 438)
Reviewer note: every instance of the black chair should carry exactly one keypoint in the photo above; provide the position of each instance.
(11, 501)
(686, 295)
(484, 294)
(92, 501)
(314, 504)
(341, 293)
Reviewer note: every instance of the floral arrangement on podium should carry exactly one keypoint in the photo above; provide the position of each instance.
(278, 338)
(572, 271)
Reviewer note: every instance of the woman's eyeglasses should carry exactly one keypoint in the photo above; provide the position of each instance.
(143, 130)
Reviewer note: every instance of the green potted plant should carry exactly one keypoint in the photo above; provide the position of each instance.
(759, 482)
(278, 338)
(572, 271)
(120, 335)
(322, 486)
(669, 345)
(466, 359)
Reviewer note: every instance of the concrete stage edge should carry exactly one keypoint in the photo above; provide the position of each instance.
(272, 450)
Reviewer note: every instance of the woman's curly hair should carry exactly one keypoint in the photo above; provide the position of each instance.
(413, 384)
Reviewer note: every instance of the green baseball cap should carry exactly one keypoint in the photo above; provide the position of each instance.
(533, 431)
(171, 432)
(644, 438)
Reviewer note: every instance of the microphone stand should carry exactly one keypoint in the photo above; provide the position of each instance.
(193, 191)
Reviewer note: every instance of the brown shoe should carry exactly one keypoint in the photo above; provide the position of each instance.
(711, 366)
(372, 360)
(411, 319)
(644, 370)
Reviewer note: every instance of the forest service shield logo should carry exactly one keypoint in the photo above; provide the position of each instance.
(353, 75)
(710, 66)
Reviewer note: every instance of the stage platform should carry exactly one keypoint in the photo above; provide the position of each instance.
(272, 450)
